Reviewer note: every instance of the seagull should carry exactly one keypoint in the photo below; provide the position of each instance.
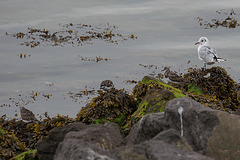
(207, 53)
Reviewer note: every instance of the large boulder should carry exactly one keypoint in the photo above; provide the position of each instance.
(69, 141)
(206, 131)
(156, 150)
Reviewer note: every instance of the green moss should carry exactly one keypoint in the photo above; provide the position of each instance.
(120, 120)
(177, 93)
(194, 89)
(28, 155)
(160, 109)
(99, 121)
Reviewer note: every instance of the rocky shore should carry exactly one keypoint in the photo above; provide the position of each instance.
(184, 120)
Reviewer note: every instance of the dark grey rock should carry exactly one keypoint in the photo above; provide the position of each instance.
(198, 121)
(171, 136)
(106, 137)
(47, 147)
(78, 149)
(156, 150)
(148, 127)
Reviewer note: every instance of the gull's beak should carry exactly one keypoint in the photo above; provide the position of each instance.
(197, 43)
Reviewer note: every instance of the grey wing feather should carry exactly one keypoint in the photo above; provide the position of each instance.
(208, 54)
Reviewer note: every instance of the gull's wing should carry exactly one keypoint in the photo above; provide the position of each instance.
(208, 54)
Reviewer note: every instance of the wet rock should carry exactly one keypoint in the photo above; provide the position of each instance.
(152, 95)
(206, 131)
(171, 136)
(154, 101)
(77, 149)
(200, 121)
(147, 128)
(70, 141)
(47, 147)
(156, 150)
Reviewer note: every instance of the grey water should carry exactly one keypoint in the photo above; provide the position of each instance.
(166, 32)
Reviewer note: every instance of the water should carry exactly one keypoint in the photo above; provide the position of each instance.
(166, 34)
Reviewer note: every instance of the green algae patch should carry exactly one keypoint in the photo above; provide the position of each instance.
(28, 155)
(192, 88)
(177, 93)
(153, 102)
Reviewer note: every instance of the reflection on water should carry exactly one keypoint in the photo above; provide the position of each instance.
(166, 34)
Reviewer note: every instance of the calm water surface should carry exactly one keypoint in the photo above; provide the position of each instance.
(166, 34)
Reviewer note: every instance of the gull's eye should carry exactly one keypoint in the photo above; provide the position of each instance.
(202, 40)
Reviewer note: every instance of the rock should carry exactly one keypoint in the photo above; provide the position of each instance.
(177, 93)
(171, 136)
(47, 147)
(153, 102)
(148, 127)
(156, 150)
(70, 141)
(78, 149)
(225, 140)
(198, 121)
(206, 131)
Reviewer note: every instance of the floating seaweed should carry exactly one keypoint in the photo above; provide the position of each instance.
(230, 20)
(71, 34)
(96, 59)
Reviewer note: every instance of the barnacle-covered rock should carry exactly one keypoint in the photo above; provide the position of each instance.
(113, 105)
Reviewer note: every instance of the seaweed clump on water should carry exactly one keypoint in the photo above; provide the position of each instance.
(212, 87)
(112, 105)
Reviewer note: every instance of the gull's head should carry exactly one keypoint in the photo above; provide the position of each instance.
(203, 41)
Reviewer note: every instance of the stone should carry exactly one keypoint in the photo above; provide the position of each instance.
(198, 121)
(48, 146)
(78, 149)
(156, 150)
(147, 128)
(69, 141)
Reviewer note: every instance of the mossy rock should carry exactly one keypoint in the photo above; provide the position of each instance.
(28, 155)
(152, 95)
(148, 80)
(153, 102)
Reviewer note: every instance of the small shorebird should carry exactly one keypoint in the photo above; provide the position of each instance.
(27, 115)
(106, 85)
(173, 76)
(207, 53)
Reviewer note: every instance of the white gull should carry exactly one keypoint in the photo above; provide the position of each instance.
(207, 53)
